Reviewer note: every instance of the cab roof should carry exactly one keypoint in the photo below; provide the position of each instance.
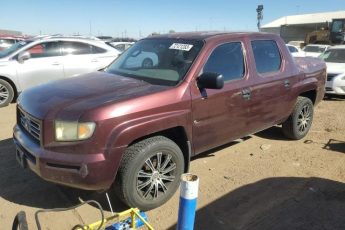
(205, 35)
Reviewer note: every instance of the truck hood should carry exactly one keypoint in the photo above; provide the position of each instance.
(335, 68)
(72, 97)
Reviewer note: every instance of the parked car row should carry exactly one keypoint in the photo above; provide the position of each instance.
(334, 56)
(35, 61)
(335, 60)
(312, 50)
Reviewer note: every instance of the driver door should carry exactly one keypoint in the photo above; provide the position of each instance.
(44, 65)
(220, 115)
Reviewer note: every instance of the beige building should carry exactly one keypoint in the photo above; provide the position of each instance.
(295, 27)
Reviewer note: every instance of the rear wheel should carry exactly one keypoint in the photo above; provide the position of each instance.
(298, 124)
(6, 93)
(149, 173)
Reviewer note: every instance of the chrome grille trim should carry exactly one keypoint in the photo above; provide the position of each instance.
(30, 124)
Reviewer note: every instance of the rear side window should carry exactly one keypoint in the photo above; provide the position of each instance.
(79, 48)
(267, 56)
(97, 50)
(76, 48)
(228, 60)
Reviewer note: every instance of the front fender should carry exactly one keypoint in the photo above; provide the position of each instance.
(129, 131)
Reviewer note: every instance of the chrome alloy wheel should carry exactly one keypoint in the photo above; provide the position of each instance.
(304, 118)
(155, 175)
(4, 94)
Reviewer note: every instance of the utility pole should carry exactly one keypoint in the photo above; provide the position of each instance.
(260, 15)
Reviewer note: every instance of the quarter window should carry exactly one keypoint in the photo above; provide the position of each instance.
(267, 56)
(228, 60)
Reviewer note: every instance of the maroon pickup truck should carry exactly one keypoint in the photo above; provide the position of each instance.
(136, 124)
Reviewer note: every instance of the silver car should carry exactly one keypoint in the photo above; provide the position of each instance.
(32, 62)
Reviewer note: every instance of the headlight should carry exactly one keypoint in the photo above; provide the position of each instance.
(73, 131)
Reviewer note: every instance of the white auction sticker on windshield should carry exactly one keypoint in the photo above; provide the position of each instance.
(180, 46)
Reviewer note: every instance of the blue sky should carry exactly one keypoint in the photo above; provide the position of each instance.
(142, 17)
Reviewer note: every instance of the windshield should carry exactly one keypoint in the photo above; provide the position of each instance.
(157, 61)
(334, 55)
(10, 50)
(314, 49)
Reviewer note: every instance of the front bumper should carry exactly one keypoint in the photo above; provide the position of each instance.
(336, 86)
(94, 171)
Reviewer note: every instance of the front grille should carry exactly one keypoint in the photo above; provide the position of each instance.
(30, 124)
(330, 77)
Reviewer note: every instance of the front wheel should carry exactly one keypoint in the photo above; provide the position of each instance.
(6, 93)
(149, 173)
(298, 124)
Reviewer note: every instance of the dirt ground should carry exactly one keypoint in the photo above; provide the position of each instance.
(261, 182)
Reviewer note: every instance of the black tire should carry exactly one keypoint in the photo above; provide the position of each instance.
(147, 63)
(6, 93)
(299, 122)
(129, 185)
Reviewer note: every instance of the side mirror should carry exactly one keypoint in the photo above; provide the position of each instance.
(210, 81)
(23, 56)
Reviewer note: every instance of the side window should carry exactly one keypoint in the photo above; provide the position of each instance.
(128, 46)
(267, 56)
(76, 48)
(120, 47)
(228, 60)
(46, 49)
(97, 50)
(292, 49)
(6, 42)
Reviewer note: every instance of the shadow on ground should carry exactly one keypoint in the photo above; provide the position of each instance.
(329, 97)
(277, 203)
(23, 187)
(273, 133)
(211, 152)
(335, 145)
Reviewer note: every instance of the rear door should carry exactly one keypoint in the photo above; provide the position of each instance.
(220, 116)
(271, 96)
(44, 65)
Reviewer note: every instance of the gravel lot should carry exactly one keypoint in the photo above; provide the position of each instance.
(261, 182)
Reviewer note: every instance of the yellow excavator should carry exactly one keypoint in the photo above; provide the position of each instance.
(332, 35)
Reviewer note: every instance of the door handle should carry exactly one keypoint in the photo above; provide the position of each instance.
(56, 63)
(246, 94)
(287, 83)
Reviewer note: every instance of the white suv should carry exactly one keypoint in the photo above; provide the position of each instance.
(32, 62)
(335, 61)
